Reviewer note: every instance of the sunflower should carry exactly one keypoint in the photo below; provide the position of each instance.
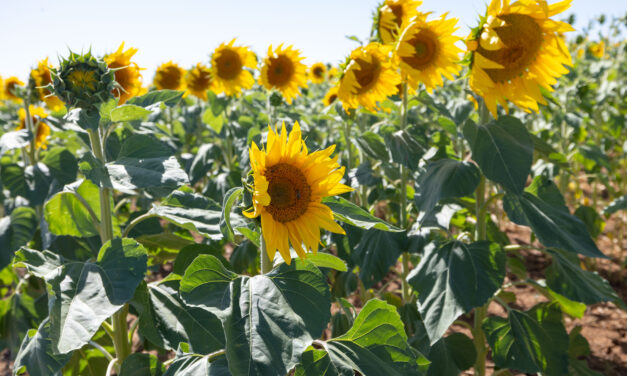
(41, 77)
(227, 67)
(426, 51)
(330, 97)
(282, 70)
(8, 85)
(369, 77)
(198, 81)
(317, 73)
(333, 74)
(169, 76)
(517, 51)
(289, 184)
(129, 78)
(43, 130)
(393, 14)
(597, 49)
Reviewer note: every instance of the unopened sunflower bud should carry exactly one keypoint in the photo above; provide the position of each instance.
(83, 81)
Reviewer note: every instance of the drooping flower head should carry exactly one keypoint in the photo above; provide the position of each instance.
(318, 73)
(289, 184)
(330, 97)
(369, 77)
(228, 67)
(516, 51)
(40, 78)
(43, 130)
(83, 81)
(8, 87)
(198, 81)
(393, 14)
(129, 78)
(283, 70)
(169, 76)
(426, 51)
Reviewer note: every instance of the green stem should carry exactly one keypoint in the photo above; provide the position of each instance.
(135, 221)
(403, 203)
(266, 263)
(31, 129)
(120, 329)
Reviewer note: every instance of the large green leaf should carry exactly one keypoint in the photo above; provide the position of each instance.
(37, 355)
(347, 212)
(553, 224)
(168, 97)
(445, 178)
(225, 221)
(531, 341)
(503, 149)
(191, 211)
(616, 205)
(13, 140)
(128, 112)
(376, 252)
(453, 279)
(62, 164)
(84, 294)
(66, 213)
(376, 344)
(269, 320)
(15, 231)
(166, 321)
(12, 177)
(140, 364)
(373, 146)
(565, 277)
(404, 148)
(190, 364)
(451, 355)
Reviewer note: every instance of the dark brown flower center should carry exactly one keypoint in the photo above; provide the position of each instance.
(229, 64)
(280, 70)
(426, 46)
(289, 192)
(367, 74)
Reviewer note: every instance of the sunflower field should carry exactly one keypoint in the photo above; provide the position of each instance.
(433, 205)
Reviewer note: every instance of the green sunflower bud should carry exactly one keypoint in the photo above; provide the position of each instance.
(83, 81)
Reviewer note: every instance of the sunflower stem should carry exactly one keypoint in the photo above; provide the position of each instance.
(266, 263)
(403, 202)
(480, 234)
(31, 130)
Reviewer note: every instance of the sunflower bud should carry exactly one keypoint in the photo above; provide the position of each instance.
(83, 81)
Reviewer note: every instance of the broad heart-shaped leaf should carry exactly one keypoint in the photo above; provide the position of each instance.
(145, 162)
(37, 355)
(198, 365)
(140, 364)
(453, 279)
(446, 178)
(553, 224)
(347, 212)
(16, 230)
(225, 221)
(84, 294)
(503, 149)
(128, 112)
(531, 341)
(13, 140)
(269, 320)
(191, 211)
(168, 97)
(451, 355)
(616, 205)
(373, 145)
(376, 252)
(166, 321)
(375, 345)
(66, 214)
(62, 164)
(565, 277)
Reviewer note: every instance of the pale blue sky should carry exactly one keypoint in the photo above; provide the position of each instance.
(187, 31)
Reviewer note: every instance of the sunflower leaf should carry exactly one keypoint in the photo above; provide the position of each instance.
(347, 212)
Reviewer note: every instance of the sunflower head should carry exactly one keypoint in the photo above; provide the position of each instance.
(9, 86)
(283, 70)
(330, 97)
(169, 76)
(517, 50)
(198, 81)
(228, 67)
(426, 51)
(391, 17)
(289, 184)
(127, 73)
(318, 73)
(597, 49)
(83, 81)
(41, 81)
(42, 129)
(369, 77)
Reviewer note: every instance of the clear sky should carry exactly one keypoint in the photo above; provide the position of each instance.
(186, 31)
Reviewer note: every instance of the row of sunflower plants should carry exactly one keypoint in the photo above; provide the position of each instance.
(314, 220)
